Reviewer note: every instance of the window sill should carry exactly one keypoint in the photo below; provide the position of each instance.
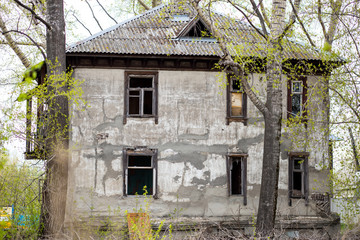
(137, 117)
(141, 196)
(236, 119)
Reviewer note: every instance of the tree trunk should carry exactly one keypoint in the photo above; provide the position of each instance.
(270, 170)
(55, 186)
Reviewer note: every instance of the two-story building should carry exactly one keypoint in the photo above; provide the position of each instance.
(160, 114)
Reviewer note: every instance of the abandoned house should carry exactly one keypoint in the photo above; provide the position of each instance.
(160, 114)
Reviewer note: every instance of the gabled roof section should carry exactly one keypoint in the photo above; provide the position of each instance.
(196, 29)
(168, 30)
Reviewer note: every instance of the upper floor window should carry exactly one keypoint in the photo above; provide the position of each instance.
(237, 168)
(297, 96)
(141, 95)
(236, 101)
(298, 175)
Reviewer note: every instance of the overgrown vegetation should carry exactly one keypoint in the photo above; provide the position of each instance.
(19, 187)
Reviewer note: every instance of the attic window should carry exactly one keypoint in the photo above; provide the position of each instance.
(180, 18)
(198, 30)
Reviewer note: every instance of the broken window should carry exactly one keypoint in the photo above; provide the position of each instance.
(297, 97)
(298, 175)
(237, 168)
(140, 95)
(140, 171)
(236, 100)
(196, 30)
(36, 114)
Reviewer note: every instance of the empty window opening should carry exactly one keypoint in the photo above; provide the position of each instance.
(141, 82)
(298, 177)
(138, 179)
(236, 172)
(198, 30)
(236, 176)
(298, 171)
(140, 95)
(140, 171)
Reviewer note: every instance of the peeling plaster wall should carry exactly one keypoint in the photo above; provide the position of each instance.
(192, 139)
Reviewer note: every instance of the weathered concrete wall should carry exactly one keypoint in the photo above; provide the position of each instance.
(192, 139)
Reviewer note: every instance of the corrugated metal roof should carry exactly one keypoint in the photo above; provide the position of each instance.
(155, 32)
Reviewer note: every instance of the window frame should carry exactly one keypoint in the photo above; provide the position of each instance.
(140, 151)
(303, 108)
(229, 160)
(154, 89)
(305, 176)
(229, 90)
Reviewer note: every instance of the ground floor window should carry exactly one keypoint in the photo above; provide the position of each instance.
(140, 171)
(236, 171)
(298, 175)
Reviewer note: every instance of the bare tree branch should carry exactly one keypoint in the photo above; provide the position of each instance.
(229, 61)
(2, 42)
(155, 3)
(301, 24)
(356, 113)
(295, 8)
(144, 5)
(31, 39)
(33, 13)
(247, 18)
(106, 12)
(334, 19)
(351, 36)
(82, 24)
(320, 18)
(292, 19)
(259, 15)
(266, 19)
(92, 12)
(286, 29)
(25, 61)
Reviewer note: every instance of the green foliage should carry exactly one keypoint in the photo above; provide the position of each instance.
(19, 187)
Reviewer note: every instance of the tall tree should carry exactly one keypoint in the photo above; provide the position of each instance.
(56, 142)
(273, 118)
(271, 109)
(55, 186)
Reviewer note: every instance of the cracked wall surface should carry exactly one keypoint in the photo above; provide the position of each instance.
(192, 140)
